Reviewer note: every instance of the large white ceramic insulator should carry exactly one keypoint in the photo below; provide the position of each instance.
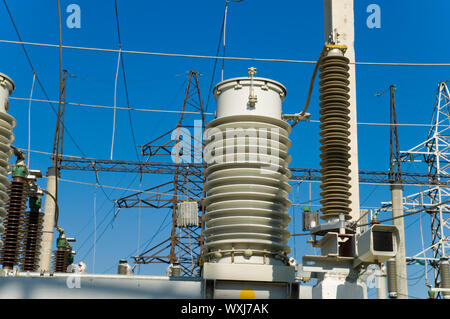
(247, 175)
(7, 123)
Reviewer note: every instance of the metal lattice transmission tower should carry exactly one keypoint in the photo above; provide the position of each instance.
(435, 153)
(185, 191)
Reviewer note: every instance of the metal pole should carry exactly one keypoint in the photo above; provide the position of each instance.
(49, 221)
(381, 283)
(224, 33)
(397, 200)
(400, 258)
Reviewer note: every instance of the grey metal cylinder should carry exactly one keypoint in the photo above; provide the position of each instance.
(49, 221)
(176, 270)
(392, 278)
(445, 277)
(123, 268)
(247, 176)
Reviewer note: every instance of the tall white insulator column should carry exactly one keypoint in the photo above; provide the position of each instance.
(247, 175)
(7, 124)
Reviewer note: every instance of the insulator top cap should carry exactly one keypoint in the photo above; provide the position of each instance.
(8, 82)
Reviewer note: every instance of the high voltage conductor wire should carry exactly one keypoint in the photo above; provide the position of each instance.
(125, 81)
(112, 107)
(103, 204)
(115, 106)
(408, 214)
(60, 122)
(390, 219)
(107, 213)
(149, 241)
(104, 230)
(189, 112)
(215, 62)
(29, 122)
(294, 181)
(216, 57)
(37, 77)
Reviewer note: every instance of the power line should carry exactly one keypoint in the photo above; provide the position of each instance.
(140, 109)
(106, 227)
(408, 214)
(118, 188)
(215, 63)
(35, 73)
(115, 105)
(148, 242)
(102, 205)
(101, 235)
(388, 219)
(216, 57)
(106, 215)
(29, 121)
(125, 81)
(292, 180)
(112, 107)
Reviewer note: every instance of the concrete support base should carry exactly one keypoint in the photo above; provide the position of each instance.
(249, 272)
(339, 286)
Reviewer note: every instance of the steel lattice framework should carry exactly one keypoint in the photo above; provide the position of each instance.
(183, 245)
(298, 174)
(435, 153)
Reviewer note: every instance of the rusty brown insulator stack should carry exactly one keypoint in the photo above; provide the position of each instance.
(63, 256)
(61, 260)
(32, 237)
(335, 141)
(13, 223)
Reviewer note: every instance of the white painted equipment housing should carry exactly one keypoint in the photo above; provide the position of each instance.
(247, 183)
(378, 244)
(232, 97)
(7, 124)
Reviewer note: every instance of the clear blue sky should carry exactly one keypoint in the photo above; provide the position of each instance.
(411, 31)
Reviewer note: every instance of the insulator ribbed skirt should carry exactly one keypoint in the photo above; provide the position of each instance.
(32, 240)
(445, 278)
(61, 260)
(247, 190)
(335, 142)
(7, 123)
(391, 268)
(13, 235)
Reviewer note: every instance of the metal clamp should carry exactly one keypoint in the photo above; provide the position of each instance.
(252, 99)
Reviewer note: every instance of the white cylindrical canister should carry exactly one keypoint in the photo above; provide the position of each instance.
(247, 175)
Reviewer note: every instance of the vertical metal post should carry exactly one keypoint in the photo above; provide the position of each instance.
(49, 221)
(395, 173)
(224, 34)
(52, 181)
(381, 283)
(400, 258)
